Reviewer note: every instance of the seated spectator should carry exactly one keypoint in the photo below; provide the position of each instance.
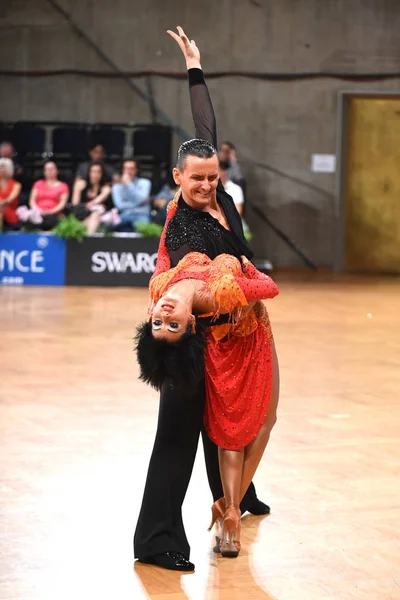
(131, 198)
(227, 153)
(97, 155)
(7, 151)
(10, 190)
(163, 198)
(47, 200)
(234, 190)
(91, 197)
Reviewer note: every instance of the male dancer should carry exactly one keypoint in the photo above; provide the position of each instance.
(206, 221)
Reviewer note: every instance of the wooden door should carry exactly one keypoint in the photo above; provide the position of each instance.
(372, 192)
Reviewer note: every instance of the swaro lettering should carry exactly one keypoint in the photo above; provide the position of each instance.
(115, 262)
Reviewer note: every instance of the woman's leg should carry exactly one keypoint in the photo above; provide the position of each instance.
(249, 502)
(48, 223)
(231, 469)
(92, 222)
(254, 451)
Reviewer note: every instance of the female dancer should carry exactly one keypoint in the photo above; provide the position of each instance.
(239, 414)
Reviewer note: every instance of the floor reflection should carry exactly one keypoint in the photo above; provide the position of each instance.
(217, 579)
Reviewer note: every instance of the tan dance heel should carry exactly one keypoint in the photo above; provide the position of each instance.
(230, 546)
(217, 512)
(217, 516)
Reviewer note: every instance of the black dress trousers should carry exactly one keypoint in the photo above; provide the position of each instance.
(180, 421)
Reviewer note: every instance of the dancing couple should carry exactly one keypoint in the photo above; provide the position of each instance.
(208, 347)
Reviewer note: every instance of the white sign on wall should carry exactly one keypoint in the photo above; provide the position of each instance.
(323, 163)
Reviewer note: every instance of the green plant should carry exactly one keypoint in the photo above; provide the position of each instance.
(104, 230)
(149, 229)
(70, 228)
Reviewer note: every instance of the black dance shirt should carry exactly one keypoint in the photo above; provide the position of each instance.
(192, 230)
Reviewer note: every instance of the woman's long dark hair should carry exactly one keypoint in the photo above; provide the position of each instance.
(103, 176)
(181, 363)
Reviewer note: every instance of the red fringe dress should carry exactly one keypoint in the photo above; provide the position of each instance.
(238, 355)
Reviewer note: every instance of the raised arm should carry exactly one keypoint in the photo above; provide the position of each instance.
(202, 108)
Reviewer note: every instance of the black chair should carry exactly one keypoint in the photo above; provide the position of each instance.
(111, 138)
(70, 141)
(153, 141)
(29, 139)
(5, 132)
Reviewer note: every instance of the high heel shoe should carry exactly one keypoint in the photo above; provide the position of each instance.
(217, 515)
(217, 512)
(230, 547)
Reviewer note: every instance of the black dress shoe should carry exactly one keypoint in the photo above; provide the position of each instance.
(175, 561)
(255, 507)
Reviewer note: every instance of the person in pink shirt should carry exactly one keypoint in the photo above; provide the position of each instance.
(9, 195)
(47, 200)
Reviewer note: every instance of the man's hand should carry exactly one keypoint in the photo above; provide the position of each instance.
(126, 179)
(189, 49)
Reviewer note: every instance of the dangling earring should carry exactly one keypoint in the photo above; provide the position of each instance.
(193, 324)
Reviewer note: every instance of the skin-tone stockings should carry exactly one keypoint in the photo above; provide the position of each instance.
(237, 467)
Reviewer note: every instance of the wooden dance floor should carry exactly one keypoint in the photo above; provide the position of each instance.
(77, 427)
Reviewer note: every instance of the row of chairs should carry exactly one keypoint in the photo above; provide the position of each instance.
(39, 140)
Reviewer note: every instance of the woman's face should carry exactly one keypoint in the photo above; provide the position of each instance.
(50, 171)
(95, 174)
(170, 319)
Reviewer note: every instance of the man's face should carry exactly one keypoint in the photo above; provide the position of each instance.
(97, 153)
(198, 180)
(224, 153)
(130, 169)
(6, 150)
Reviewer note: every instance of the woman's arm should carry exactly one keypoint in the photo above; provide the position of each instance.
(79, 186)
(202, 108)
(259, 288)
(32, 199)
(15, 192)
(60, 206)
(100, 198)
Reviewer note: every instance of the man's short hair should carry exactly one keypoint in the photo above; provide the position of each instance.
(126, 160)
(94, 145)
(195, 147)
(229, 144)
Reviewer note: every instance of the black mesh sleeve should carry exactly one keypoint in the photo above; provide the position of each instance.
(202, 108)
(179, 253)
